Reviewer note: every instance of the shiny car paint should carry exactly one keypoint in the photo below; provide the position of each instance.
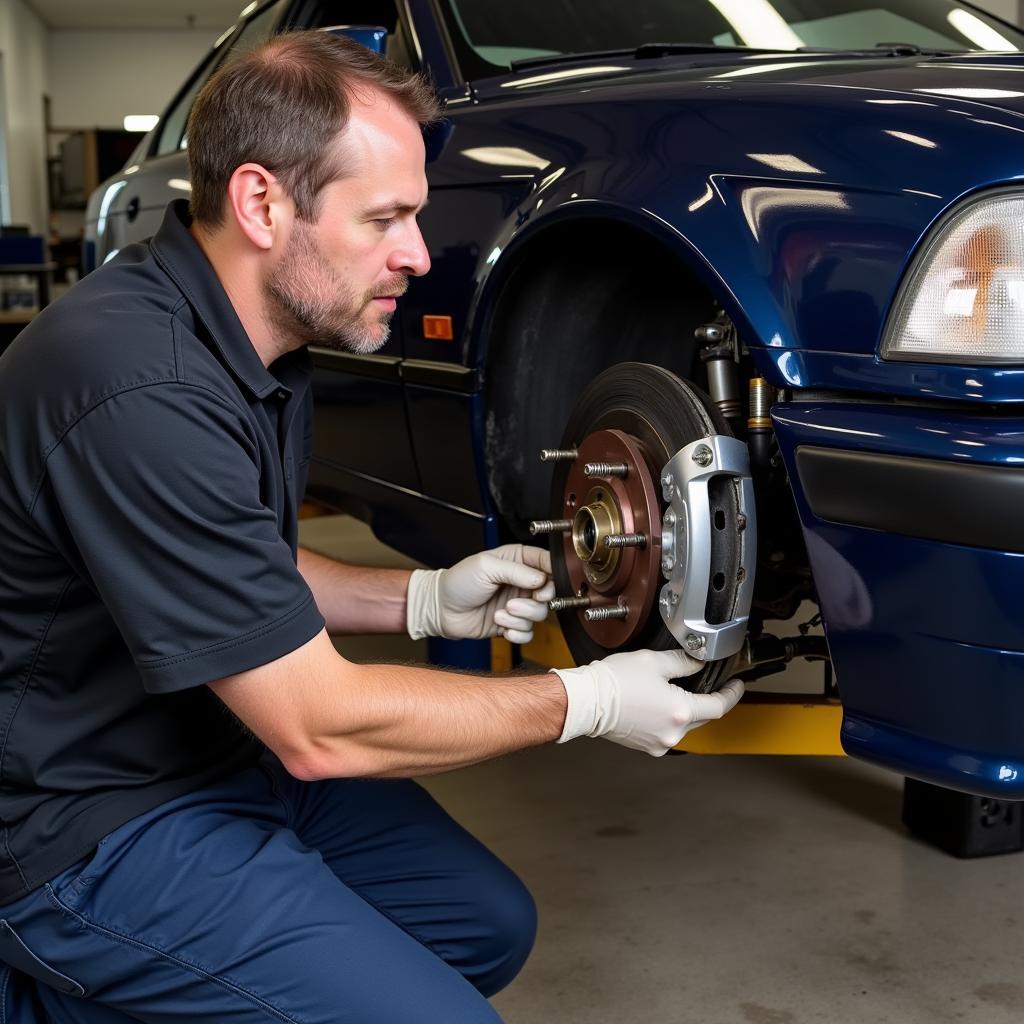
(796, 188)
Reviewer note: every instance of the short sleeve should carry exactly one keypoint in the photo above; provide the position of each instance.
(159, 492)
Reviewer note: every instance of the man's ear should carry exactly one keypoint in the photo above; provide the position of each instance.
(258, 204)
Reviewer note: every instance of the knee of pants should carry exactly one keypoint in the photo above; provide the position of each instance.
(508, 928)
(19, 1002)
(26, 1001)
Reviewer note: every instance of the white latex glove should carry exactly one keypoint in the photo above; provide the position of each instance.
(502, 592)
(627, 698)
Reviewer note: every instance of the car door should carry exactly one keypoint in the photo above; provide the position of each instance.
(360, 397)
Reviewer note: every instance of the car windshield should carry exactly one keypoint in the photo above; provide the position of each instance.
(491, 34)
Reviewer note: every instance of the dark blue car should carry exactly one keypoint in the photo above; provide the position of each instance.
(751, 274)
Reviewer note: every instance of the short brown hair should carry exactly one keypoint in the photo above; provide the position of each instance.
(281, 105)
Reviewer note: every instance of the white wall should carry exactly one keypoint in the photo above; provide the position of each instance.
(96, 77)
(93, 80)
(1011, 10)
(23, 45)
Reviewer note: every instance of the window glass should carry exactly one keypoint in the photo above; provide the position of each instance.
(490, 34)
(354, 12)
(252, 33)
(172, 127)
(383, 13)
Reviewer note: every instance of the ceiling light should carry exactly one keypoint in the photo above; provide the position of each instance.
(757, 23)
(978, 32)
(140, 122)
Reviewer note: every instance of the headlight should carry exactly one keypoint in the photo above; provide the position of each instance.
(964, 300)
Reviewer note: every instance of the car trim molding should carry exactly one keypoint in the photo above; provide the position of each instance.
(931, 499)
(464, 380)
(378, 367)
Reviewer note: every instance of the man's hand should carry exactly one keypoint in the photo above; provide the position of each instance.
(494, 593)
(627, 698)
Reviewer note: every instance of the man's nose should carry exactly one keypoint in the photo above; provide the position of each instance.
(411, 257)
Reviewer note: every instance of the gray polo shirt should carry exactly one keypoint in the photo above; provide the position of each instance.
(150, 474)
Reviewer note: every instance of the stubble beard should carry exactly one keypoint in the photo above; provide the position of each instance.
(307, 300)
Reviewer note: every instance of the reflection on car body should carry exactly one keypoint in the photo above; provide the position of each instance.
(816, 218)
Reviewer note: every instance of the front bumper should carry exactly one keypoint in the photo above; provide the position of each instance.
(913, 524)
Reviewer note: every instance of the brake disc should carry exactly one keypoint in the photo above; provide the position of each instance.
(653, 532)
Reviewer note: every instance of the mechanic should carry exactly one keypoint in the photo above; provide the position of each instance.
(208, 813)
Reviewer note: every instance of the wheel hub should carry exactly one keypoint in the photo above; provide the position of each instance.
(613, 549)
(592, 525)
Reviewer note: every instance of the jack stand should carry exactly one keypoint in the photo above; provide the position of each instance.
(960, 823)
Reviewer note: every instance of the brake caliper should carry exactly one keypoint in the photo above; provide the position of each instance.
(688, 542)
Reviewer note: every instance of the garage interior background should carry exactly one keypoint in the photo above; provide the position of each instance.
(728, 890)
(98, 61)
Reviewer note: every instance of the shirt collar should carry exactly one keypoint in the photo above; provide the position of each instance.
(184, 261)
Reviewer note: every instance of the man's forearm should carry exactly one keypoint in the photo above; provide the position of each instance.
(326, 717)
(353, 598)
(391, 720)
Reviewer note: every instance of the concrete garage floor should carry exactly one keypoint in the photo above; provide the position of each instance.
(726, 890)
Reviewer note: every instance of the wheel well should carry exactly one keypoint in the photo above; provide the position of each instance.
(581, 298)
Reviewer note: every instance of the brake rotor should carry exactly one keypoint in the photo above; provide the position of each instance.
(635, 419)
(613, 550)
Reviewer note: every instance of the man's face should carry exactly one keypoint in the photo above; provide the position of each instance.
(337, 280)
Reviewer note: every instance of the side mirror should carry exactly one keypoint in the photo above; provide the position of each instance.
(370, 36)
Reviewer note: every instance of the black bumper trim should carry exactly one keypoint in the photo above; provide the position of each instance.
(951, 502)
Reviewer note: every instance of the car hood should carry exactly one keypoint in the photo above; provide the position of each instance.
(944, 126)
(993, 80)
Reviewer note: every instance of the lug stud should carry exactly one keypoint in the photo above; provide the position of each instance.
(550, 526)
(561, 604)
(625, 540)
(606, 469)
(558, 454)
(619, 611)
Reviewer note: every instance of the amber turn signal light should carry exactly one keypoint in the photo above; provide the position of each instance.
(438, 328)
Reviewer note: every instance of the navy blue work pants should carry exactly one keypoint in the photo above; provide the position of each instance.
(261, 898)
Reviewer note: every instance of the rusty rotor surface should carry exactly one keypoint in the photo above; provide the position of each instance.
(634, 577)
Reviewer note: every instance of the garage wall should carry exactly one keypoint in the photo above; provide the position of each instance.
(148, 68)
(23, 46)
(1011, 10)
(96, 77)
